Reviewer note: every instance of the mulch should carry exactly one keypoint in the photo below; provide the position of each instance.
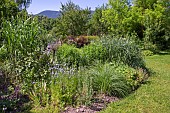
(100, 103)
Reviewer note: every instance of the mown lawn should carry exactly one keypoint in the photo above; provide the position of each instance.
(152, 97)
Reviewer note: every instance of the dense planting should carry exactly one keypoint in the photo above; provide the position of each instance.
(50, 64)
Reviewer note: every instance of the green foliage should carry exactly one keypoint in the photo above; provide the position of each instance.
(23, 41)
(107, 81)
(148, 92)
(134, 77)
(20, 37)
(154, 18)
(25, 63)
(97, 27)
(67, 89)
(94, 52)
(85, 88)
(91, 38)
(33, 70)
(149, 46)
(73, 20)
(108, 49)
(47, 23)
(71, 90)
(69, 55)
(3, 53)
(115, 15)
(147, 53)
(145, 4)
(149, 19)
(8, 8)
(122, 49)
(73, 56)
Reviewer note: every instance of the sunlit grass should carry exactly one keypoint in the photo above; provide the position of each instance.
(151, 97)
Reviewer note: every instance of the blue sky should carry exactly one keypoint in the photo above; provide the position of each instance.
(41, 5)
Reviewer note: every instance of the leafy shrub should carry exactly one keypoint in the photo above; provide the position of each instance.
(134, 77)
(146, 45)
(76, 57)
(34, 75)
(69, 55)
(93, 52)
(147, 53)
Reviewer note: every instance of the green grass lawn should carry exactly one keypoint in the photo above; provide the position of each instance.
(152, 97)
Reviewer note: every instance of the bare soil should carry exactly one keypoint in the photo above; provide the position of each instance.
(100, 103)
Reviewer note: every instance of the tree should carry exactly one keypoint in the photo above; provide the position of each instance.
(8, 8)
(155, 19)
(115, 15)
(98, 27)
(145, 4)
(73, 20)
(23, 4)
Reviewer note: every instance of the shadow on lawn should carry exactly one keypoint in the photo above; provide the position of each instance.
(12, 101)
(167, 52)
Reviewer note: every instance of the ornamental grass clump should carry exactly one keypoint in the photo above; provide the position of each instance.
(124, 50)
(107, 81)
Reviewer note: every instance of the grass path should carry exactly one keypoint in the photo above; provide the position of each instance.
(152, 97)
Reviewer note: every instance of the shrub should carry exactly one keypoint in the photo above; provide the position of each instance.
(146, 45)
(76, 57)
(147, 53)
(93, 52)
(69, 55)
(34, 76)
(134, 77)
(79, 41)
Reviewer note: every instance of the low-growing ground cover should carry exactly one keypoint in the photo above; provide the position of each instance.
(151, 97)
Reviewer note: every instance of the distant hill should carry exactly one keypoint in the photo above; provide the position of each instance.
(50, 14)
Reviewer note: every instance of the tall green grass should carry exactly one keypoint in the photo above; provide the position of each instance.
(24, 62)
(123, 49)
(107, 81)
